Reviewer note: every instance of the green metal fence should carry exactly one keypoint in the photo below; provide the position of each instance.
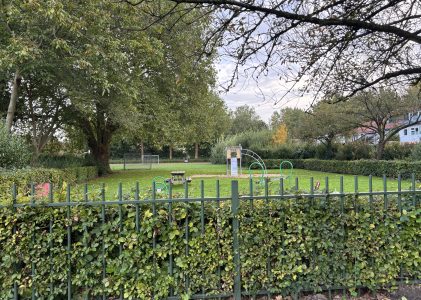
(230, 274)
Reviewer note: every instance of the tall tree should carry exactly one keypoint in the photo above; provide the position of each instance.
(322, 124)
(42, 110)
(208, 120)
(38, 35)
(275, 120)
(294, 119)
(382, 113)
(102, 55)
(281, 135)
(244, 118)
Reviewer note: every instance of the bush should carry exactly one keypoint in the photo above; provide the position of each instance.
(396, 150)
(23, 178)
(416, 152)
(356, 167)
(14, 152)
(354, 151)
(64, 161)
(323, 152)
(307, 243)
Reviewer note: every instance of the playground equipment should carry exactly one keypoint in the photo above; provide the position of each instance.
(291, 170)
(161, 184)
(235, 156)
(262, 175)
(233, 160)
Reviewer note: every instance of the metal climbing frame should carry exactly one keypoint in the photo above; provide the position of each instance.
(256, 157)
(262, 176)
(291, 168)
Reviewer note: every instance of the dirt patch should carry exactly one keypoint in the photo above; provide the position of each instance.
(233, 177)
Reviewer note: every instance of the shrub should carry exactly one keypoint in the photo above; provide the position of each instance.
(306, 242)
(218, 154)
(416, 152)
(14, 152)
(64, 161)
(396, 150)
(23, 178)
(323, 152)
(354, 151)
(357, 167)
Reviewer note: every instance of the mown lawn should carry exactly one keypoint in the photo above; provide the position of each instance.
(129, 178)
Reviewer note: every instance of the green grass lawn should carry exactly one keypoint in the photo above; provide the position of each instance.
(129, 178)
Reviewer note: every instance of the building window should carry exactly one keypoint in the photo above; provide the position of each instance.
(412, 131)
(405, 132)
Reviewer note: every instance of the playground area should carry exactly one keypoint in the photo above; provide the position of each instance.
(210, 178)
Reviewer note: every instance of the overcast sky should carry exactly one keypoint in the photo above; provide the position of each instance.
(264, 95)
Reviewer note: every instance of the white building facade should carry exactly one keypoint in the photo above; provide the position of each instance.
(411, 134)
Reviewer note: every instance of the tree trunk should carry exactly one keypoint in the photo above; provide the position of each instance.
(142, 150)
(170, 152)
(13, 100)
(99, 134)
(101, 154)
(380, 149)
(196, 150)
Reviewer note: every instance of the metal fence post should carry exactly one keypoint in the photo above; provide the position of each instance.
(15, 283)
(235, 204)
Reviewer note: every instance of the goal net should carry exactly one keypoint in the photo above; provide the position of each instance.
(135, 161)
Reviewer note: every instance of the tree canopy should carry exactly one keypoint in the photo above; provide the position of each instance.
(244, 118)
(329, 47)
(108, 64)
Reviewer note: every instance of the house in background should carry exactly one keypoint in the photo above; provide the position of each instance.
(369, 135)
(411, 134)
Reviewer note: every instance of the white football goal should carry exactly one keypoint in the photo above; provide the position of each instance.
(133, 161)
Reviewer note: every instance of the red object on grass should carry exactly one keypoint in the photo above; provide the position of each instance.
(43, 189)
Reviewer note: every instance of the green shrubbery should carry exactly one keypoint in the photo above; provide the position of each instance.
(14, 152)
(416, 152)
(357, 167)
(396, 150)
(307, 243)
(23, 178)
(261, 143)
(64, 161)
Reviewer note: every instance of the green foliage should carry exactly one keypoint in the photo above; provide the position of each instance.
(259, 143)
(15, 152)
(396, 150)
(254, 140)
(357, 167)
(309, 244)
(354, 151)
(416, 152)
(245, 119)
(23, 178)
(64, 161)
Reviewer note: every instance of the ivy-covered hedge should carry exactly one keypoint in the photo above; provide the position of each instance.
(357, 167)
(307, 243)
(24, 177)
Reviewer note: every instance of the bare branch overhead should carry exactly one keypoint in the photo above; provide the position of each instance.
(330, 47)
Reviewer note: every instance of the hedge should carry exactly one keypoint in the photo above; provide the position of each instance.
(357, 167)
(24, 177)
(308, 244)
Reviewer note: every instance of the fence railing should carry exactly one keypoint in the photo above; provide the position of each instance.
(209, 247)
